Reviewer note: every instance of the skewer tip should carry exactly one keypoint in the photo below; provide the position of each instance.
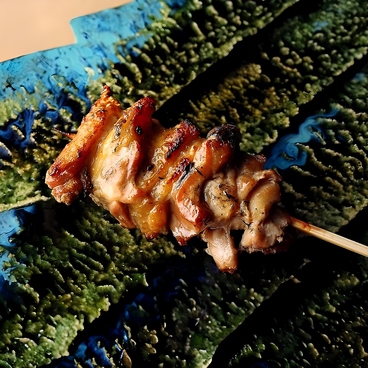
(329, 236)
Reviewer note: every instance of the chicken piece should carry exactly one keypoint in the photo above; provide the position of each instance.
(66, 175)
(243, 197)
(161, 180)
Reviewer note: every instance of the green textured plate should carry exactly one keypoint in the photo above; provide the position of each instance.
(79, 290)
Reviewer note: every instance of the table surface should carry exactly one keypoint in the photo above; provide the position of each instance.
(28, 26)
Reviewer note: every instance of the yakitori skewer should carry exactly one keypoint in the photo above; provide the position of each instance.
(161, 180)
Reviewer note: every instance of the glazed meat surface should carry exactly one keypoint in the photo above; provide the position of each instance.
(161, 180)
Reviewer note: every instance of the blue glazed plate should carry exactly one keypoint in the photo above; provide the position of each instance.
(79, 290)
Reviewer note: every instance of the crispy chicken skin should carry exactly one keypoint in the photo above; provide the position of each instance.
(161, 180)
(69, 172)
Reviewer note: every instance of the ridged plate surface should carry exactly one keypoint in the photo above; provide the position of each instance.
(77, 290)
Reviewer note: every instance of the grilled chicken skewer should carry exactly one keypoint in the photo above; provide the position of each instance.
(161, 180)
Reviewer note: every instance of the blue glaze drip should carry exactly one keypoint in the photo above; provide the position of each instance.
(175, 4)
(24, 122)
(319, 25)
(95, 346)
(359, 77)
(4, 273)
(286, 152)
(11, 223)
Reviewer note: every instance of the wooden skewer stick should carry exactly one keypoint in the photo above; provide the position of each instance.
(329, 237)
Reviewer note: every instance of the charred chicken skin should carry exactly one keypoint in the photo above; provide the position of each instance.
(161, 180)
